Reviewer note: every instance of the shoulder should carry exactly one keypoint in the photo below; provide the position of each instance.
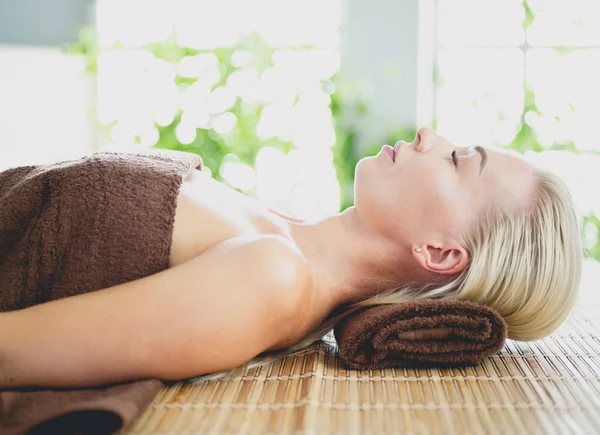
(285, 269)
(271, 267)
(274, 270)
(269, 258)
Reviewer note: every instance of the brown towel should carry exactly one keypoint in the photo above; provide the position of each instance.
(74, 227)
(101, 410)
(368, 339)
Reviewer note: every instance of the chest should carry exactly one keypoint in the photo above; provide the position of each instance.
(209, 212)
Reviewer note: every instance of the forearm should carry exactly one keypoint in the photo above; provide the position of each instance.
(105, 336)
(72, 342)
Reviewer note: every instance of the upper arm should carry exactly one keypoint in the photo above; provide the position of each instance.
(211, 313)
(246, 295)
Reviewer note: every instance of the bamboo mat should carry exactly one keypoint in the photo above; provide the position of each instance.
(547, 386)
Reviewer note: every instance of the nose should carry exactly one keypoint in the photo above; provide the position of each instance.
(423, 131)
(423, 139)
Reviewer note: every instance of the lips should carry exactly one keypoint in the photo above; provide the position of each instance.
(389, 151)
(392, 151)
(397, 147)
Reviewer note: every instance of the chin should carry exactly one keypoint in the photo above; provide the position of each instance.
(365, 169)
(368, 185)
(361, 177)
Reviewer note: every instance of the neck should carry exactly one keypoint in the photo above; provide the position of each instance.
(348, 260)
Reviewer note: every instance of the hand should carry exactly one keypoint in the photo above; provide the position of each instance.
(426, 334)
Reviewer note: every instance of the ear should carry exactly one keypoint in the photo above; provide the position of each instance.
(446, 258)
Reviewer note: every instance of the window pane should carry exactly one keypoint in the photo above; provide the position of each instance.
(567, 95)
(133, 23)
(580, 173)
(480, 22)
(281, 84)
(209, 23)
(564, 23)
(292, 22)
(481, 98)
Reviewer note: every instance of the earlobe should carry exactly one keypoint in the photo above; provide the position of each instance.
(448, 260)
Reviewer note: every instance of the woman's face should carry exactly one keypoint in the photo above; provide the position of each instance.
(420, 195)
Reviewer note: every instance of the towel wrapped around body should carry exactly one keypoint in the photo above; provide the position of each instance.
(74, 227)
(369, 338)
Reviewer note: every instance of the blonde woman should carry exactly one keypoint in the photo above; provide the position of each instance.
(430, 220)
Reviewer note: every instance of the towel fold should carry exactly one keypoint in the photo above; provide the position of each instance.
(368, 338)
(74, 227)
(101, 410)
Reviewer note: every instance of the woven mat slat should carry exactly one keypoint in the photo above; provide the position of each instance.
(548, 386)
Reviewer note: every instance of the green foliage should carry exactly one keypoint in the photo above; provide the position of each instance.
(242, 140)
(346, 105)
(87, 45)
(345, 152)
(594, 251)
(526, 138)
(529, 15)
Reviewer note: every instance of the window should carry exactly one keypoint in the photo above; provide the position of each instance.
(524, 75)
(161, 66)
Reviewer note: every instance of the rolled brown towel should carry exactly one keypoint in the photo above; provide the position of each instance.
(369, 338)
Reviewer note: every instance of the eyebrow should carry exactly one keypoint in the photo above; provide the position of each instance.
(484, 157)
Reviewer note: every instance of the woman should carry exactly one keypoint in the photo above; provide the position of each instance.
(430, 219)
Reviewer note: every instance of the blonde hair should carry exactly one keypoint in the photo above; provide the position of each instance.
(527, 266)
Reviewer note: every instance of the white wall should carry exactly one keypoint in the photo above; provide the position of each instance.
(44, 101)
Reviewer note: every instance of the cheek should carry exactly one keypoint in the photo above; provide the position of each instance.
(436, 198)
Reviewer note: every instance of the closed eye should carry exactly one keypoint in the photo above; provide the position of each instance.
(454, 159)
